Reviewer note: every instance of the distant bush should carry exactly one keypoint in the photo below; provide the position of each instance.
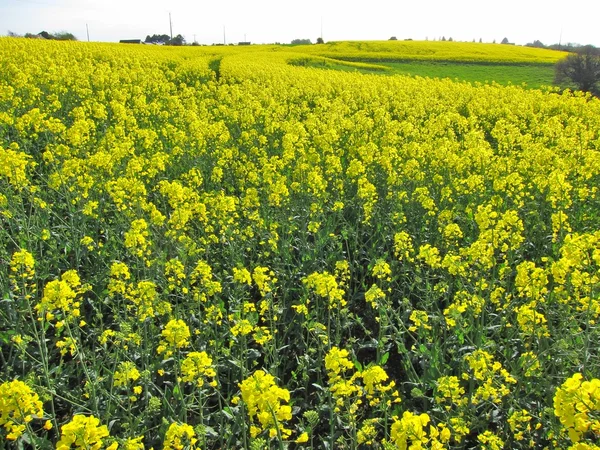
(58, 36)
(301, 42)
(581, 70)
(64, 36)
(157, 39)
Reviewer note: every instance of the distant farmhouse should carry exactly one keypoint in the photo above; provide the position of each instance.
(130, 41)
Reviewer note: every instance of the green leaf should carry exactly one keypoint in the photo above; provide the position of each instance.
(6, 336)
(384, 358)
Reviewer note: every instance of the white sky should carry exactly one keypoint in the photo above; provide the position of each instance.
(268, 21)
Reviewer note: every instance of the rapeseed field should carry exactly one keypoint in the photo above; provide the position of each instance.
(210, 248)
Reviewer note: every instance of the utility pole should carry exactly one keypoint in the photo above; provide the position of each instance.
(88, 31)
(322, 28)
(171, 26)
(224, 40)
(560, 39)
(194, 38)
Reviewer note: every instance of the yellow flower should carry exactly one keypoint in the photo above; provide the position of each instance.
(373, 294)
(410, 431)
(179, 437)
(134, 443)
(63, 296)
(430, 255)
(175, 336)
(450, 391)
(577, 405)
(264, 279)
(23, 263)
(126, 372)
(403, 247)
(326, 286)
(336, 361)
(83, 432)
(18, 404)
(266, 403)
(302, 438)
(136, 239)
(243, 327)
(382, 270)
(489, 441)
(301, 309)
(197, 367)
(420, 320)
(242, 276)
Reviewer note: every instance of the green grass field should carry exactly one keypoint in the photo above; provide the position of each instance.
(533, 76)
(462, 61)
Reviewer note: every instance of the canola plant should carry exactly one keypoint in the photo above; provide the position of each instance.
(212, 248)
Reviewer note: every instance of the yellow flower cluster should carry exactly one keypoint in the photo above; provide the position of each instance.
(22, 265)
(136, 239)
(19, 405)
(62, 296)
(126, 375)
(492, 376)
(197, 368)
(203, 285)
(22, 273)
(14, 165)
(449, 391)
(142, 296)
(410, 432)
(175, 336)
(577, 405)
(375, 387)
(264, 279)
(420, 319)
(180, 436)
(84, 432)
(326, 286)
(266, 405)
(490, 441)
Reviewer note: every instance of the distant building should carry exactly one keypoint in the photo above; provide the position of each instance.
(130, 41)
(244, 43)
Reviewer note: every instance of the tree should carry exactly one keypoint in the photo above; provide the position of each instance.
(580, 69)
(177, 40)
(157, 39)
(64, 36)
(537, 44)
(393, 38)
(301, 42)
(504, 41)
(320, 40)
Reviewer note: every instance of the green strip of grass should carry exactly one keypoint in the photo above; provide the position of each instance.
(534, 76)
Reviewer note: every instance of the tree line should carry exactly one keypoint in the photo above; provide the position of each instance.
(165, 39)
(58, 36)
